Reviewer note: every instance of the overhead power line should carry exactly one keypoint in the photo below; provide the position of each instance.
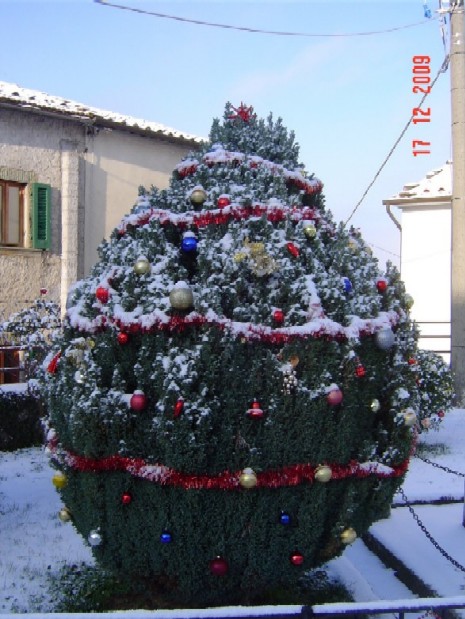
(199, 22)
(442, 69)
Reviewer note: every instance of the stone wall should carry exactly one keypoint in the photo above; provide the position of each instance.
(23, 274)
(31, 150)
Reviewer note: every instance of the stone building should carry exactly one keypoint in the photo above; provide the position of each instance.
(68, 173)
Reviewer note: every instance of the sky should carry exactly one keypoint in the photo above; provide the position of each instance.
(347, 98)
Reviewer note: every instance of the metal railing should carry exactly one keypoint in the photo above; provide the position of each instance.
(438, 607)
(425, 335)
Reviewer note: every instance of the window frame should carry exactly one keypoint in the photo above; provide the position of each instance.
(4, 206)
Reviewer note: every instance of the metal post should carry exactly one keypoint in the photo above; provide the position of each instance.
(457, 78)
(463, 519)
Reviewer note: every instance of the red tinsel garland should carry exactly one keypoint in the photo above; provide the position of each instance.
(293, 475)
(246, 332)
(221, 216)
(309, 186)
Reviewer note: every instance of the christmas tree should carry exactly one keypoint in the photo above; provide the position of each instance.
(232, 401)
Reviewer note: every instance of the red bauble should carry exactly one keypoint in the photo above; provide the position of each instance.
(126, 498)
(219, 566)
(293, 250)
(102, 294)
(381, 285)
(122, 338)
(223, 201)
(441, 413)
(412, 361)
(138, 401)
(334, 397)
(278, 316)
(360, 371)
(296, 558)
(178, 407)
(255, 411)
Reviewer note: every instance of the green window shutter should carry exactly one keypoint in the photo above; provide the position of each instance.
(41, 207)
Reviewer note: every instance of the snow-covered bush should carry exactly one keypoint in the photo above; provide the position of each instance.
(435, 388)
(35, 328)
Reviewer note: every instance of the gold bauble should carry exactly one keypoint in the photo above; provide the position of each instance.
(256, 249)
(348, 536)
(248, 479)
(375, 405)
(353, 245)
(240, 256)
(294, 360)
(64, 514)
(59, 480)
(323, 473)
(408, 301)
(142, 266)
(309, 230)
(198, 197)
(410, 417)
(181, 298)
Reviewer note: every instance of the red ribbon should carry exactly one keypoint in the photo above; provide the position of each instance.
(293, 475)
(52, 366)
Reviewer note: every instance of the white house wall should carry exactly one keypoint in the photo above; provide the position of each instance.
(117, 164)
(425, 269)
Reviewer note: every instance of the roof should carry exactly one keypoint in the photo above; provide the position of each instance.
(36, 101)
(436, 187)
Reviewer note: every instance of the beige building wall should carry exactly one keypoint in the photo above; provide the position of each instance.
(94, 173)
(117, 164)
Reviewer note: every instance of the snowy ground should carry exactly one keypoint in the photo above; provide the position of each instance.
(35, 543)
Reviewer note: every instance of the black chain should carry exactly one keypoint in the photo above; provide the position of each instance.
(428, 534)
(440, 466)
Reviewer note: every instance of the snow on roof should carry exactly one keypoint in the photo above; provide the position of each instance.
(436, 184)
(12, 94)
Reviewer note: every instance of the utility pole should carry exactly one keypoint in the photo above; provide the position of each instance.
(457, 88)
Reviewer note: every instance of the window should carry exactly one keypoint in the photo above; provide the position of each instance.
(12, 213)
(24, 214)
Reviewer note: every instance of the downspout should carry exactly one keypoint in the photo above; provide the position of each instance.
(396, 222)
(399, 227)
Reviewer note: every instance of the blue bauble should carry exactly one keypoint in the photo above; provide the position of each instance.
(285, 519)
(166, 537)
(347, 284)
(189, 244)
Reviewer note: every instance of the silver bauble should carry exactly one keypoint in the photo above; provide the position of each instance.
(94, 538)
(385, 339)
(181, 298)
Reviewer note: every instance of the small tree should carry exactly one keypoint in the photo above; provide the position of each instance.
(435, 388)
(35, 328)
(232, 401)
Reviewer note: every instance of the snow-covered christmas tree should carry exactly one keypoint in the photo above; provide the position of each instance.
(233, 399)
